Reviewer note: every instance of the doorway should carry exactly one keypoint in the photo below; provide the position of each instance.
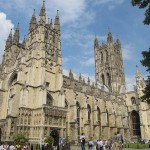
(55, 135)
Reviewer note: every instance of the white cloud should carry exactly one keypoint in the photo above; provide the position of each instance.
(70, 10)
(5, 26)
(117, 2)
(130, 83)
(127, 52)
(88, 62)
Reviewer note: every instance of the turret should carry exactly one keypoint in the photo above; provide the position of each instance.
(9, 40)
(57, 23)
(42, 15)
(96, 44)
(32, 21)
(140, 83)
(109, 38)
(16, 36)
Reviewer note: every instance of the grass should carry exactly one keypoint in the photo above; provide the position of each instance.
(136, 145)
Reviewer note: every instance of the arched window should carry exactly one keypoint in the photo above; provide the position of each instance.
(89, 113)
(103, 79)
(49, 100)
(135, 123)
(98, 115)
(106, 56)
(101, 57)
(107, 117)
(133, 100)
(78, 116)
(108, 80)
(12, 81)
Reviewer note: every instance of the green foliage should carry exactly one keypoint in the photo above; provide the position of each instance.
(143, 4)
(136, 145)
(67, 141)
(49, 140)
(146, 62)
(20, 139)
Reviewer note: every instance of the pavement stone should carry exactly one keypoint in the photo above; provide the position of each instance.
(86, 148)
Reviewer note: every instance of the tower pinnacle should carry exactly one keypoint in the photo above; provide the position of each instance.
(9, 40)
(16, 36)
(57, 22)
(42, 15)
(32, 21)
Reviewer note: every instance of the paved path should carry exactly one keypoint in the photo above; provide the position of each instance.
(79, 148)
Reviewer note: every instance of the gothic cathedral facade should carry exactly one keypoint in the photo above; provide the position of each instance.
(38, 99)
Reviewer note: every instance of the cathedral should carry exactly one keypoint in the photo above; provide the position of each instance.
(38, 98)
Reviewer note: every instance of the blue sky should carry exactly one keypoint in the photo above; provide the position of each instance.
(80, 21)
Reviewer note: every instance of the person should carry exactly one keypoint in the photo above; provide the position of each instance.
(100, 144)
(109, 143)
(82, 138)
(6, 146)
(12, 147)
(119, 139)
(94, 144)
(1, 146)
(90, 144)
(114, 141)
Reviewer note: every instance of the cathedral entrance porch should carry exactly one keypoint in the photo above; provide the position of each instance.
(55, 134)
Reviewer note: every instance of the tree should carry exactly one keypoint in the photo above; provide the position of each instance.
(20, 140)
(143, 4)
(49, 140)
(146, 54)
(146, 62)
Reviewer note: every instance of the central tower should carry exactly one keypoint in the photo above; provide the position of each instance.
(109, 64)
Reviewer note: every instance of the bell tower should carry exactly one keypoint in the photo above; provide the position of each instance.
(109, 64)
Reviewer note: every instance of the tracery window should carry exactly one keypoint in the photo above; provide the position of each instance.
(133, 100)
(49, 101)
(89, 113)
(135, 123)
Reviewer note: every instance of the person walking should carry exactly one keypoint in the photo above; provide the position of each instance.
(100, 145)
(82, 138)
(90, 144)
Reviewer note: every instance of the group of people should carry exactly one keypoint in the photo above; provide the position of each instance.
(115, 143)
(6, 146)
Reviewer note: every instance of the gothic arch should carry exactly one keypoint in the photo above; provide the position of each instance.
(98, 115)
(13, 78)
(135, 123)
(78, 109)
(49, 100)
(108, 80)
(103, 79)
(106, 56)
(133, 100)
(107, 117)
(89, 112)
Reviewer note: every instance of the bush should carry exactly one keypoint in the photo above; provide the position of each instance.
(49, 140)
(20, 140)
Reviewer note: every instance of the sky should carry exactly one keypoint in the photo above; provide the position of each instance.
(80, 21)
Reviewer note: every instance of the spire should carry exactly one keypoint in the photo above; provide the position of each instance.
(96, 43)
(32, 21)
(16, 35)
(9, 40)
(138, 74)
(109, 38)
(42, 15)
(57, 23)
